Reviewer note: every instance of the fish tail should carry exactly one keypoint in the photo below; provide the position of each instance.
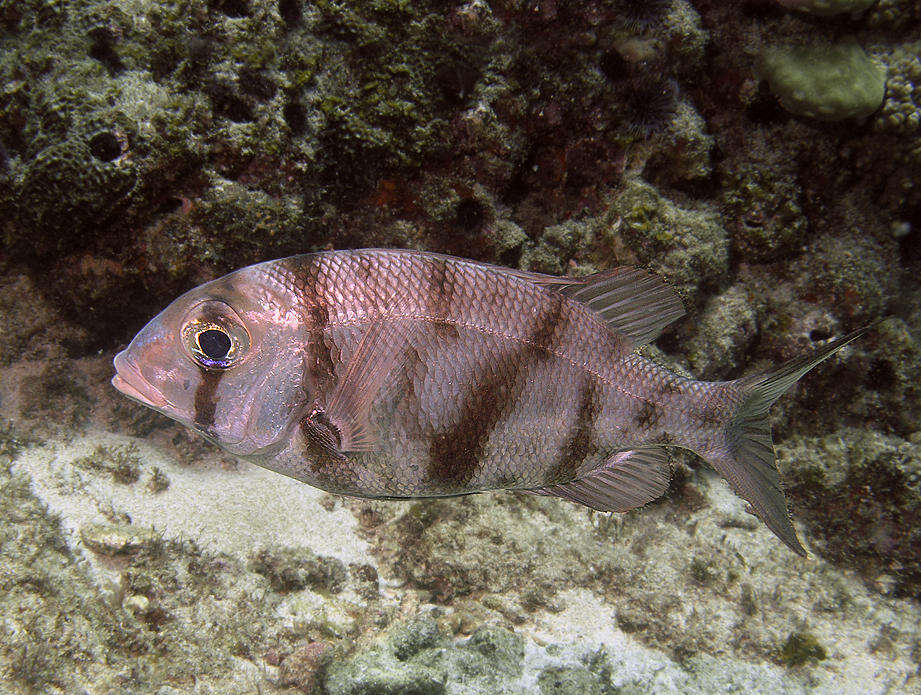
(746, 456)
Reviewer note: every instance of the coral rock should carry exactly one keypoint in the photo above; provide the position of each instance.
(829, 83)
(827, 8)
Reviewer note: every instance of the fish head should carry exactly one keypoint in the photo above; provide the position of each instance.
(222, 359)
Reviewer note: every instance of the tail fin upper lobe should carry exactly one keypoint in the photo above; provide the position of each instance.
(746, 459)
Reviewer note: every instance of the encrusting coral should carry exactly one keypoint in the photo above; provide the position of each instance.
(148, 146)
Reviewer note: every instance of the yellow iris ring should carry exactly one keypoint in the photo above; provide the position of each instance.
(239, 343)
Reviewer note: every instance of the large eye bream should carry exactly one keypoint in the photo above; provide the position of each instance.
(216, 342)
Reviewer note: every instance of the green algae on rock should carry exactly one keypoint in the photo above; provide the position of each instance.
(63, 191)
(410, 638)
(686, 244)
(417, 658)
(763, 209)
(121, 463)
(569, 680)
(170, 614)
(827, 8)
(292, 569)
(379, 670)
(800, 648)
(828, 83)
(865, 478)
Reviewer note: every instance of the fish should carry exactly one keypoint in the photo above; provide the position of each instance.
(398, 374)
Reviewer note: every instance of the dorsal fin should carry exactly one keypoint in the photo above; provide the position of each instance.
(628, 480)
(631, 301)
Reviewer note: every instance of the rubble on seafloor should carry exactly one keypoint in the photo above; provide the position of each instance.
(232, 577)
(763, 157)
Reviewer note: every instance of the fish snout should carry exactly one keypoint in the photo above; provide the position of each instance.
(130, 382)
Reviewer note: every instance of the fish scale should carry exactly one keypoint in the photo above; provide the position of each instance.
(401, 374)
(493, 335)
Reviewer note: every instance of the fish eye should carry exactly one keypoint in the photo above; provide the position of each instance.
(217, 342)
(214, 343)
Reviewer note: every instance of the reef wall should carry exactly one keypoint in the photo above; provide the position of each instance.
(762, 157)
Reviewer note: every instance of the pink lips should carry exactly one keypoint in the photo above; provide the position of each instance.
(129, 381)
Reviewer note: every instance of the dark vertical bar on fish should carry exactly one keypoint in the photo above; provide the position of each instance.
(397, 374)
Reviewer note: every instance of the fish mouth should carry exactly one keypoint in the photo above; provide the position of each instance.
(129, 381)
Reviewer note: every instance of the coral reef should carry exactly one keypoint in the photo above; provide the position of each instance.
(894, 14)
(148, 146)
(688, 245)
(830, 83)
(290, 570)
(901, 110)
(763, 210)
(30, 325)
(827, 8)
(415, 660)
(868, 479)
(728, 328)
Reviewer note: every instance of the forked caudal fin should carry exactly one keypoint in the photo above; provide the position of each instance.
(746, 460)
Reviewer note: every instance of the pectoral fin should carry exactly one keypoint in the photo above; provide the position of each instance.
(628, 480)
(322, 436)
(342, 424)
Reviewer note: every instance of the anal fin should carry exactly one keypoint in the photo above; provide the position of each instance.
(628, 480)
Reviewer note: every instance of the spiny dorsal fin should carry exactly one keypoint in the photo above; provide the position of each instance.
(628, 480)
(631, 301)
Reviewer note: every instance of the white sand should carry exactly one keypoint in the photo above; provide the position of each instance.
(234, 512)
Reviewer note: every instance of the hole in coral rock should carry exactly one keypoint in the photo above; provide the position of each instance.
(457, 82)
(818, 334)
(232, 8)
(295, 116)
(881, 376)
(105, 146)
(290, 11)
(256, 83)
(614, 66)
(168, 205)
(228, 104)
(102, 48)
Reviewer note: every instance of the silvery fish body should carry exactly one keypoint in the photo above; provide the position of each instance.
(399, 374)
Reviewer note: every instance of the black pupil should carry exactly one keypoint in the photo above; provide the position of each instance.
(214, 343)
